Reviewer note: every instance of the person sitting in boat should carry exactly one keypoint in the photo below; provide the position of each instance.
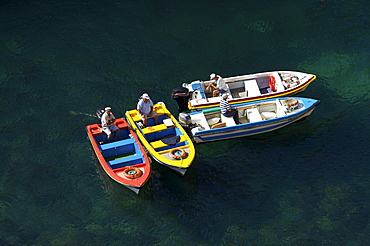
(145, 108)
(107, 123)
(217, 86)
(227, 110)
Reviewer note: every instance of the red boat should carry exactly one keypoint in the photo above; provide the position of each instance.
(124, 160)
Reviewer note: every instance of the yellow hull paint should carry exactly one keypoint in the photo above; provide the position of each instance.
(162, 157)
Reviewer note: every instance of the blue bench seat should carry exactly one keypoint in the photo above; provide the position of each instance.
(199, 88)
(126, 161)
(117, 144)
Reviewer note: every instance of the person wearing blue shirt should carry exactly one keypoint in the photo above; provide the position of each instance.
(145, 108)
(227, 110)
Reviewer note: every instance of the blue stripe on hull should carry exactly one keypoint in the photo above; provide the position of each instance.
(241, 131)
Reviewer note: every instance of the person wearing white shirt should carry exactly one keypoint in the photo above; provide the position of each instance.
(145, 108)
(217, 86)
(107, 123)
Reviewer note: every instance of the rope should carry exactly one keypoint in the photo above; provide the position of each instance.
(79, 113)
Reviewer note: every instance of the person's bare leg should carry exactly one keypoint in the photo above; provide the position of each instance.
(117, 132)
(210, 89)
(215, 92)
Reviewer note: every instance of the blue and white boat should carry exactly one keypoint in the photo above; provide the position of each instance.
(255, 118)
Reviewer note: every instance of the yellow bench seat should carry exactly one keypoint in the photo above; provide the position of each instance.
(135, 115)
(155, 128)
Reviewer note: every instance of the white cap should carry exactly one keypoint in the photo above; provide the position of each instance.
(146, 96)
(224, 96)
(108, 109)
(212, 76)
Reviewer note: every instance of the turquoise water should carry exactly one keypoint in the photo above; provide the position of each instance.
(306, 184)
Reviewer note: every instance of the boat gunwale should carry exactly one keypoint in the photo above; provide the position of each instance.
(136, 183)
(249, 134)
(287, 92)
(294, 116)
(159, 155)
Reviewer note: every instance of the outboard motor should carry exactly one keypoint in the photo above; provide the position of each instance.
(185, 122)
(184, 119)
(181, 96)
(100, 112)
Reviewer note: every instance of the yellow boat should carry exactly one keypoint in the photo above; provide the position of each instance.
(167, 142)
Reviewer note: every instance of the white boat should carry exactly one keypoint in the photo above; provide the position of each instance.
(244, 88)
(255, 117)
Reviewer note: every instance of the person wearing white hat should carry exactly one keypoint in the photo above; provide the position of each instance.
(216, 86)
(227, 110)
(145, 108)
(107, 123)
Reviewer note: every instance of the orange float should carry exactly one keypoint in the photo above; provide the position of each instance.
(178, 154)
(132, 172)
(291, 102)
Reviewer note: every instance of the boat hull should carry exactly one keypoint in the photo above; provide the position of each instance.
(199, 99)
(259, 127)
(116, 158)
(153, 136)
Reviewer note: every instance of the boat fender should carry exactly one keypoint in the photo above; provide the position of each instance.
(291, 102)
(272, 83)
(132, 172)
(178, 154)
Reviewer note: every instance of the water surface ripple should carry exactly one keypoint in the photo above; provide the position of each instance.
(306, 184)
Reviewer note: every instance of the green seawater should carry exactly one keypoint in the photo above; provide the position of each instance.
(305, 184)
